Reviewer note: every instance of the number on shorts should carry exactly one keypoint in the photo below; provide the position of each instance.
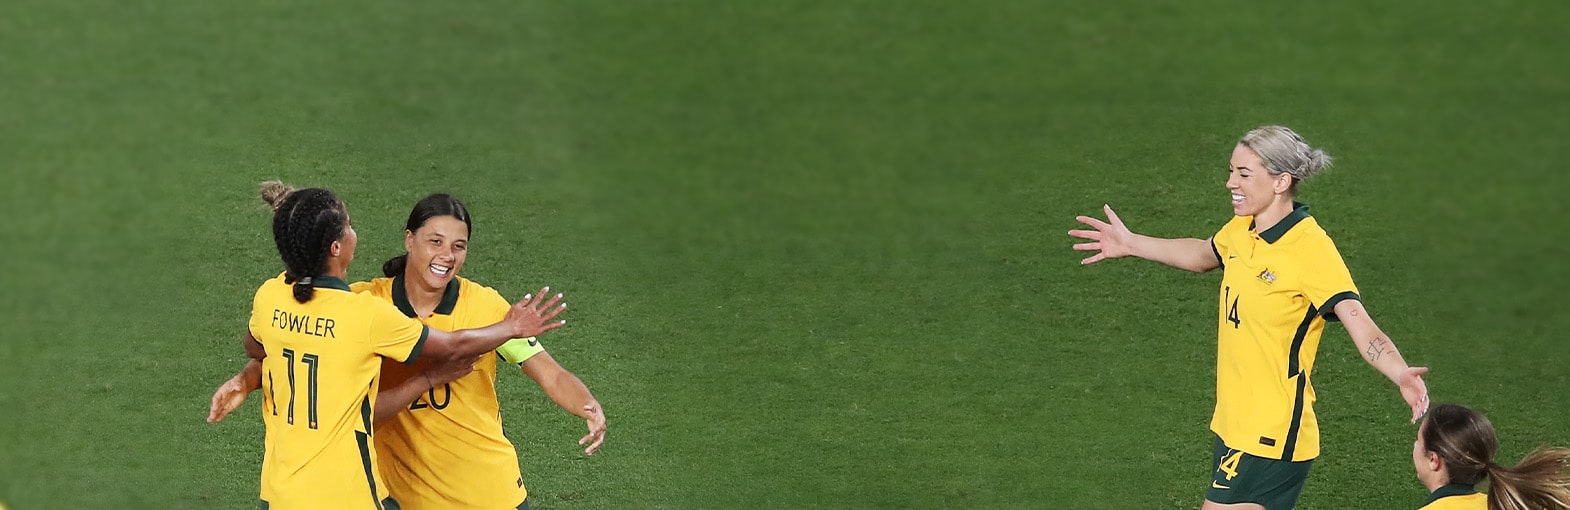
(1229, 464)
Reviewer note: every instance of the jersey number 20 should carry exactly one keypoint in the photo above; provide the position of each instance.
(429, 399)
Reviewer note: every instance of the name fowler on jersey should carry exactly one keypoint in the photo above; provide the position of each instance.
(322, 326)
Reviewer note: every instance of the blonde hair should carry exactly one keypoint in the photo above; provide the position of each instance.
(1285, 152)
(274, 192)
(1465, 440)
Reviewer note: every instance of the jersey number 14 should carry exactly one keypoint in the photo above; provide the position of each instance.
(1232, 308)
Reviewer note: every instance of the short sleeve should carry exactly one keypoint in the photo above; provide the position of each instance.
(517, 350)
(259, 319)
(358, 287)
(1221, 242)
(394, 335)
(1326, 280)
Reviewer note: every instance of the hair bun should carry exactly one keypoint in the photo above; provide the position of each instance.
(274, 193)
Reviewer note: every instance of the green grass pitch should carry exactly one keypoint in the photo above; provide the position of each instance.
(816, 251)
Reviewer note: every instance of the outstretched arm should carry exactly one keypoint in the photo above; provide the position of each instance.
(1381, 353)
(570, 394)
(528, 318)
(1112, 239)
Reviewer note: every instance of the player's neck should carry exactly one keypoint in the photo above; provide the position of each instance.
(1278, 210)
(336, 269)
(421, 297)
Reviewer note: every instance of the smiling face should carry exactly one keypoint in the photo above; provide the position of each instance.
(436, 251)
(1252, 186)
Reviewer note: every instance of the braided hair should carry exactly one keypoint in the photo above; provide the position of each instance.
(305, 225)
(436, 205)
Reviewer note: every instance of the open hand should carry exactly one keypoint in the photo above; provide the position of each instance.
(228, 398)
(1414, 391)
(531, 317)
(1112, 240)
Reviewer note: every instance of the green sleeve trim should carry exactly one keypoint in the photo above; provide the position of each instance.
(1216, 251)
(425, 332)
(1329, 309)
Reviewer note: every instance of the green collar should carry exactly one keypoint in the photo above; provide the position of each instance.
(1453, 489)
(329, 282)
(401, 298)
(1274, 233)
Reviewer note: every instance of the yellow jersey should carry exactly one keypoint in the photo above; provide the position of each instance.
(1456, 497)
(448, 450)
(319, 389)
(1278, 289)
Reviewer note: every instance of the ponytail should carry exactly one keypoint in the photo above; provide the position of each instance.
(1538, 482)
(395, 266)
(304, 290)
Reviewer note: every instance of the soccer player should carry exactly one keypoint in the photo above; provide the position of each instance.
(321, 346)
(1454, 452)
(448, 450)
(1282, 281)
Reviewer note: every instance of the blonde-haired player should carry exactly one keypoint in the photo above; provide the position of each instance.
(1282, 280)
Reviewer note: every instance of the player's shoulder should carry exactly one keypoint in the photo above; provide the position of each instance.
(472, 292)
(372, 296)
(1473, 501)
(272, 287)
(1238, 225)
(380, 287)
(1309, 233)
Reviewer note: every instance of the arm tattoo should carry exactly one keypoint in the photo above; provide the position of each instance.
(1376, 348)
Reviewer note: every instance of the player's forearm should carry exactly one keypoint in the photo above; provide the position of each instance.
(467, 343)
(1372, 343)
(569, 393)
(250, 377)
(1190, 254)
(394, 400)
(1381, 353)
